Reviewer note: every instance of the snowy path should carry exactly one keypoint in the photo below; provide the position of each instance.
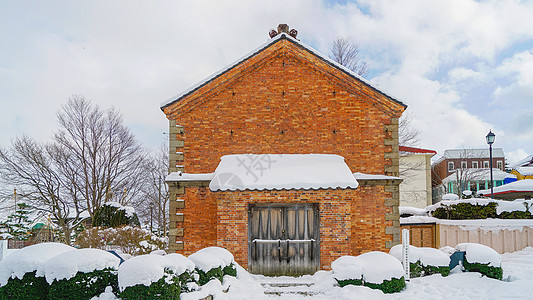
(518, 272)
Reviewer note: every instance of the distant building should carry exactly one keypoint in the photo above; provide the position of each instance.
(524, 168)
(415, 170)
(467, 169)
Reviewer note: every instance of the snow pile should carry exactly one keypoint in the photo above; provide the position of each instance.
(426, 256)
(66, 265)
(29, 259)
(477, 253)
(212, 257)
(282, 171)
(372, 267)
(149, 268)
(448, 197)
(413, 211)
(347, 267)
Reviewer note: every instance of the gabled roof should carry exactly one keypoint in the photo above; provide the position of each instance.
(513, 190)
(258, 50)
(417, 150)
(526, 162)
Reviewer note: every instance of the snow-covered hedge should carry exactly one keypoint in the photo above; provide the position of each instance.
(213, 262)
(81, 274)
(477, 208)
(482, 259)
(22, 272)
(156, 276)
(377, 270)
(424, 261)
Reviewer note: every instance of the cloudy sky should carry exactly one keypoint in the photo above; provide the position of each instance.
(463, 67)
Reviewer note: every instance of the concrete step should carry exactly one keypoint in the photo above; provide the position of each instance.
(289, 288)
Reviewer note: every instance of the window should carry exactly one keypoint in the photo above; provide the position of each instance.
(486, 164)
(500, 164)
(475, 165)
(463, 165)
(450, 166)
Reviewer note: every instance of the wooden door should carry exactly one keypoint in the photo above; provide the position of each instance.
(283, 239)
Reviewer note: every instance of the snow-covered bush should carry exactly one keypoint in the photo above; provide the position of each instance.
(127, 239)
(213, 262)
(22, 272)
(424, 261)
(81, 274)
(156, 276)
(482, 259)
(378, 270)
(113, 214)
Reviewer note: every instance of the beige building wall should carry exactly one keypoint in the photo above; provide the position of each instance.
(415, 170)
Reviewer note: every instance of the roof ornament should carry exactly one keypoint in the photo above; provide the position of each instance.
(283, 28)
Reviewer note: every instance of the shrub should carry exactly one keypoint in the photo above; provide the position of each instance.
(84, 285)
(112, 214)
(485, 269)
(346, 282)
(167, 287)
(417, 269)
(230, 270)
(205, 277)
(388, 286)
(128, 239)
(29, 287)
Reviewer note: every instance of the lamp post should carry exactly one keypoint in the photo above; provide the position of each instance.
(490, 140)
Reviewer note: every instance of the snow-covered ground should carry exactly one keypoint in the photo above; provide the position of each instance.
(517, 284)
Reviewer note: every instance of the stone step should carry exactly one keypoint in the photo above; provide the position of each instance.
(289, 288)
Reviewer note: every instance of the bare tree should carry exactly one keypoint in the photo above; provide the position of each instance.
(92, 158)
(346, 52)
(407, 134)
(100, 154)
(156, 194)
(30, 166)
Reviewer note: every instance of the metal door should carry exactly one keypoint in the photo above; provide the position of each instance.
(283, 239)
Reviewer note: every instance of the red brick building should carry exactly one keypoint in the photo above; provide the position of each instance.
(284, 98)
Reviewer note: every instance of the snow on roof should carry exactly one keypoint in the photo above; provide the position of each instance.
(526, 162)
(477, 253)
(525, 171)
(489, 225)
(473, 153)
(29, 259)
(180, 176)
(67, 265)
(282, 171)
(415, 211)
(417, 150)
(524, 185)
(261, 48)
(479, 174)
(363, 176)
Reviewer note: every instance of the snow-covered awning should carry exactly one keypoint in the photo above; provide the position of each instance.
(282, 172)
(363, 176)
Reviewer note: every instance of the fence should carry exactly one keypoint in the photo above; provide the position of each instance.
(501, 235)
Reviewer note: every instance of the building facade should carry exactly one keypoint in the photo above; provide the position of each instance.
(284, 98)
(415, 170)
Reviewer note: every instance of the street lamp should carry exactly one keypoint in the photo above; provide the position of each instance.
(490, 140)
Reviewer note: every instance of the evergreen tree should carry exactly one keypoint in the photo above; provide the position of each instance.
(18, 224)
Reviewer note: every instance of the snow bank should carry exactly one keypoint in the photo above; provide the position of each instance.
(347, 267)
(67, 265)
(149, 268)
(426, 256)
(373, 267)
(211, 257)
(477, 253)
(29, 259)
